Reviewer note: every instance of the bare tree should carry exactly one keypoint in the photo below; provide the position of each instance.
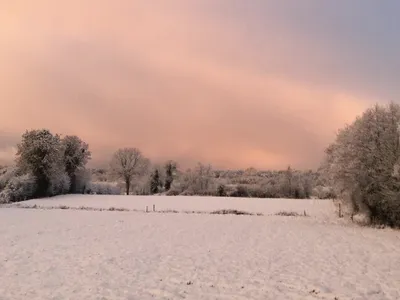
(128, 163)
(200, 180)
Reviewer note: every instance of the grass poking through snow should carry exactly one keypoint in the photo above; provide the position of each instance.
(168, 211)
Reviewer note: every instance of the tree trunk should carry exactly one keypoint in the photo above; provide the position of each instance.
(72, 187)
(128, 185)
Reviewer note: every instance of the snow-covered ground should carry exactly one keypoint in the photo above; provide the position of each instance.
(321, 209)
(78, 254)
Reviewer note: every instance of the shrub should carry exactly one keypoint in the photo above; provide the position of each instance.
(59, 184)
(383, 207)
(82, 181)
(176, 189)
(231, 212)
(221, 191)
(6, 174)
(322, 192)
(18, 189)
(257, 192)
(361, 219)
(271, 190)
(103, 188)
(240, 192)
(172, 192)
(188, 192)
(289, 214)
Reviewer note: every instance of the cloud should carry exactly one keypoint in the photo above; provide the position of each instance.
(7, 147)
(175, 79)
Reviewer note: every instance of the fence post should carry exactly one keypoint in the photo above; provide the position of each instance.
(147, 209)
(154, 207)
(340, 211)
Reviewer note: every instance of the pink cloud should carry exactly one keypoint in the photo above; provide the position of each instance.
(168, 79)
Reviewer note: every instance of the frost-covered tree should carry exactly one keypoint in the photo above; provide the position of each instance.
(6, 174)
(287, 186)
(82, 180)
(76, 156)
(199, 181)
(170, 168)
(128, 163)
(18, 188)
(60, 183)
(306, 183)
(363, 163)
(40, 154)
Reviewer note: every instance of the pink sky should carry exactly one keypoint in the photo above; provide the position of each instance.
(174, 78)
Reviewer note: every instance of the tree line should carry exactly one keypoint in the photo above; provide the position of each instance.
(361, 167)
(48, 165)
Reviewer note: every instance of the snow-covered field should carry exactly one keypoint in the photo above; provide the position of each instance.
(78, 254)
(321, 209)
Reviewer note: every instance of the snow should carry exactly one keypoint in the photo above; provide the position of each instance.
(321, 209)
(78, 254)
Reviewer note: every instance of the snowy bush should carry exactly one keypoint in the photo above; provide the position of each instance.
(221, 191)
(18, 189)
(82, 181)
(173, 192)
(362, 219)
(241, 192)
(255, 191)
(176, 189)
(103, 188)
(322, 192)
(59, 184)
(6, 174)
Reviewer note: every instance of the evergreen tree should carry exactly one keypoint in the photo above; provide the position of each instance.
(170, 168)
(221, 191)
(155, 182)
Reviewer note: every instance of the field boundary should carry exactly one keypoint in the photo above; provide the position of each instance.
(146, 211)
